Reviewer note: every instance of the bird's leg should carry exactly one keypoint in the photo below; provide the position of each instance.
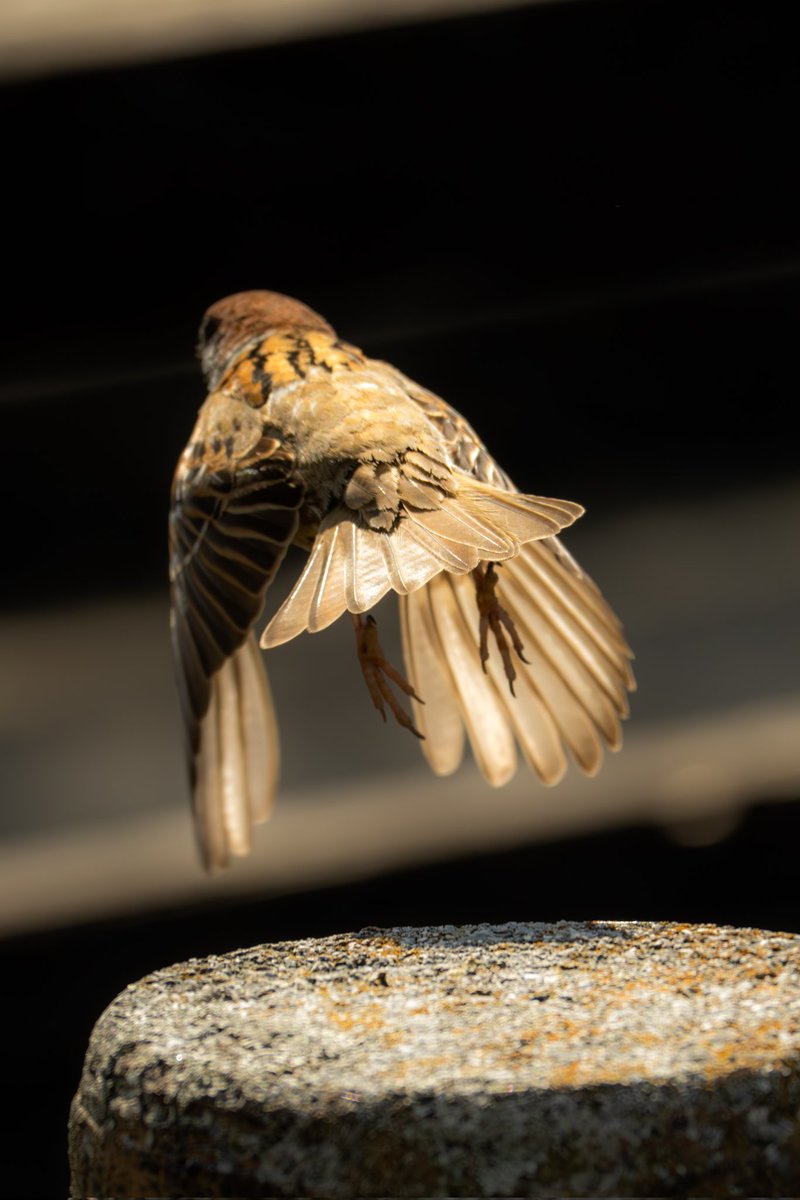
(493, 616)
(375, 668)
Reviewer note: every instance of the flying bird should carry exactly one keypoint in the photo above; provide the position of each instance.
(305, 440)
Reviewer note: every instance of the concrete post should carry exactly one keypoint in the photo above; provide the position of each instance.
(598, 1059)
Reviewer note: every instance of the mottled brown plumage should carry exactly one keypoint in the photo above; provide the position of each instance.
(304, 439)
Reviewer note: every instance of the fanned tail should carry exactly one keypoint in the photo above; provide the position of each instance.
(571, 694)
(352, 566)
(238, 760)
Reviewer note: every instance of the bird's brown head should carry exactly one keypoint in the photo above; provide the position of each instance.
(244, 317)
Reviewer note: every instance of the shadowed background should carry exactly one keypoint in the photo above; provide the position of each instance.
(575, 221)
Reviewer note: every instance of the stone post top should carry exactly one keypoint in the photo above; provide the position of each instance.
(477, 1007)
(530, 1036)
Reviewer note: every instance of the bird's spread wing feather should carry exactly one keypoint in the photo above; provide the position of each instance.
(231, 521)
(439, 719)
(482, 706)
(571, 693)
(352, 565)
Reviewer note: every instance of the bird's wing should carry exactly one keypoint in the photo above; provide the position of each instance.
(569, 693)
(235, 506)
(443, 505)
(466, 450)
(573, 690)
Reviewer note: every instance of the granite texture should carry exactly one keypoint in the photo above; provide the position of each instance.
(596, 1059)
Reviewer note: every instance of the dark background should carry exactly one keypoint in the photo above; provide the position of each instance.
(578, 222)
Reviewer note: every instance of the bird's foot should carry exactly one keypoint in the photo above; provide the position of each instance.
(376, 669)
(493, 617)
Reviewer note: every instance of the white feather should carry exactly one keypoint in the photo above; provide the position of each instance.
(236, 820)
(208, 800)
(481, 707)
(292, 617)
(259, 731)
(366, 578)
(532, 721)
(328, 600)
(578, 593)
(540, 636)
(608, 667)
(439, 718)
(238, 758)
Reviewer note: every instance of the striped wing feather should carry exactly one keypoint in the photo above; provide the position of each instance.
(229, 531)
(571, 693)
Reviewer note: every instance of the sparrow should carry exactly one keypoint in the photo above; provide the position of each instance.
(303, 439)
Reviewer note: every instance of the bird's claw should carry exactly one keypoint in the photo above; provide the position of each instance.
(493, 616)
(376, 669)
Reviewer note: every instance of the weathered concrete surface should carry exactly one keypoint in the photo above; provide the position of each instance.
(599, 1059)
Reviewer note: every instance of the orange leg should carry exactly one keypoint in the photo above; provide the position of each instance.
(375, 669)
(493, 617)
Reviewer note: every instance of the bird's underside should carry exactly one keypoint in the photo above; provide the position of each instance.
(303, 439)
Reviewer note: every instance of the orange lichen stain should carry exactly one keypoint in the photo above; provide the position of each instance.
(623, 991)
(728, 1056)
(369, 1019)
(566, 1076)
(419, 1066)
(649, 1039)
(389, 948)
(529, 1037)
(759, 971)
(748, 1048)
(566, 1029)
(368, 1022)
(432, 1062)
(421, 1010)
(460, 1002)
(392, 1038)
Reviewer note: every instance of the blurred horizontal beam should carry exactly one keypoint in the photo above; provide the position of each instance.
(45, 36)
(687, 775)
(96, 818)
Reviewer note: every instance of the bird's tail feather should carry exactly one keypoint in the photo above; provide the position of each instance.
(352, 566)
(571, 694)
(238, 760)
